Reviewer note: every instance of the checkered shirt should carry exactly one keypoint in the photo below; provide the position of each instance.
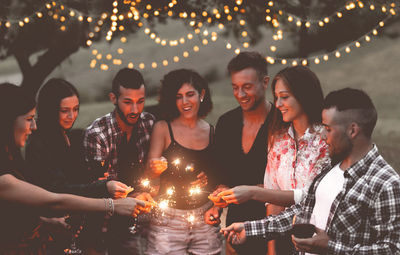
(364, 217)
(103, 135)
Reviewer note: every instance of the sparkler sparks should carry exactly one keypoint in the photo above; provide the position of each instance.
(191, 219)
(189, 168)
(163, 204)
(176, 162)
(170, 191)
(194, 191)
(145, 182)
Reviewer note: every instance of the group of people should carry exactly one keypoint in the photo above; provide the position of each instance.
(300, 153)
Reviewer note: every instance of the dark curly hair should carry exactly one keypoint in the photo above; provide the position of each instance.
(170, 85)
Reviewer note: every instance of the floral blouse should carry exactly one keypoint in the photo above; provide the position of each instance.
(292, 167)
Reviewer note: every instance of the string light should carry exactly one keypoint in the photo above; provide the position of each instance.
(384, 8)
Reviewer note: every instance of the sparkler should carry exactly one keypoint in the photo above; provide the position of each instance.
(146, 183)
(171, 191)
(194, 191)
(176, 162)
(191, 219)
(189, 168)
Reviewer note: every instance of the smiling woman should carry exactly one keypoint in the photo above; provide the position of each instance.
(185, 140)
(23, 203)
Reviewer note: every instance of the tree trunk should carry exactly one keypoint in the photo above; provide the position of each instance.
(34, 76)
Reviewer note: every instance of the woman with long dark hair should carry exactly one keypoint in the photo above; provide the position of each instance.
(184, 140)
(23, 203)
(54, 153)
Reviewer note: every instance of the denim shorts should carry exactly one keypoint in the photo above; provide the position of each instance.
(179, 232)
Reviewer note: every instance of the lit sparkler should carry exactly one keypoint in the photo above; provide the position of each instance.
(176, 162)
(194, 191)
(170, 191)
(146, 183)
(163, 204)
(189, 168)
(191, 219)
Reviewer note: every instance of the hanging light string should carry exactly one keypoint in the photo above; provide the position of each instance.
(345, 49)
(133, 13)
(391, 8)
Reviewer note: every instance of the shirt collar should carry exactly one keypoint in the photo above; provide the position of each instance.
(305, 136)
(357, 170)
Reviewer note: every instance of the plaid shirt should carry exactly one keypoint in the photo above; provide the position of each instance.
(364, 217)
(103, 136)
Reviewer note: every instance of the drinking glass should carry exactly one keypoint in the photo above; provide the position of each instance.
(303, 225)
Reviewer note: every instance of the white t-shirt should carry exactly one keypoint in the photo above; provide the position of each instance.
(327, 190)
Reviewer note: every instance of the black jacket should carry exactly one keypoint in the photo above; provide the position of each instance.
(59, 168)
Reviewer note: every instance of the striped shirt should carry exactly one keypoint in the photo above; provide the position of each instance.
(364, 217)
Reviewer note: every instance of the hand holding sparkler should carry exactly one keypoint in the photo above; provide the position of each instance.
(158, 165)
(212, 215)
(237, 195)
(149, 202)
(216, 199)
(118, 189)
(202, 180)
(235, 233)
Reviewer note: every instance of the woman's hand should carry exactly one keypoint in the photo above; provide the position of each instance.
(212, 216)
(237, 195)
(118, 189)
(202, 180)
(128, 206)
(158, 165)
(149, 202)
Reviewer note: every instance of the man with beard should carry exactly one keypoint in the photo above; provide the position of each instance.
(355, 206)
(241, 144)
(117, 144)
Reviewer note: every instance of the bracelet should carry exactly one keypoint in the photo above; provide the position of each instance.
(109, 205)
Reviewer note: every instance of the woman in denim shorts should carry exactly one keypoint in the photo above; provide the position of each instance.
(180, 155)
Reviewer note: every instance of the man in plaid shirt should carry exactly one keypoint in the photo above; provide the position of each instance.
(117, 144)
(126, 123)
(355, 206)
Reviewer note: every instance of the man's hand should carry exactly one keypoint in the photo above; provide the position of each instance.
(149, 202)
(236, 195)
(217, 200)
(158, 165)
(118, 189)
(235, 233)
(202, 180)
(212, 215)
(316, 244)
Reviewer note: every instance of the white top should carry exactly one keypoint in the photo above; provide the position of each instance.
(328, 189)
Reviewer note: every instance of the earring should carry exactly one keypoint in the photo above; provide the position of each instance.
(201, 100)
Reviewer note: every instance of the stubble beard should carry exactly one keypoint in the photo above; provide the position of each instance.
(123, 117)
